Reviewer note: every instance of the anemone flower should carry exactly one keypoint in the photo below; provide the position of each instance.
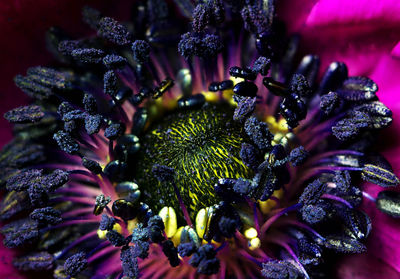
(193, 141)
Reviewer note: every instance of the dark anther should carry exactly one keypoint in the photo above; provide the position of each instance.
(357, 222)
(66, 142)
(35, 261)
(110, 83)
(344, 244)
(23, 179)
(115, 238)
(22, 154)
(56, 179)
(191, 102)
(129, 262)
(351, 126)
(89, 103)
(214, 86)
(117, 171)
(244, 73)
(141, 249)
(106, 223)
(343, 181)
(127, 145)
(49, 77)
(46, 215)
(300, 85)
(246, 89)
(389, 203)
(380, 174)
(250, 155)
(24, 114)
(275, 87)
(255, 19)
(88, 55)
(293, 109)
(140, 233)
(38, 195)
(313, 192)
(225, 85)
(91, 165)
(209, 12)
(204, 252)
(358, 89)
(67, 46)
(141, 51)
(101, 203)
(245, 108)
(113, 61)
(128, 190)
(274, 269)
(171, 252)
(75, 114)
(64, 108)
(93, 123)
(19, 233)
(206, 46)
(163, 87)
(186, 249)
(220, 86)
(333, 78)
(114, 131)
(32, 88)
(124, 209)
(375, 108)
(228, 226)
(329, 102)
(139, 121)
(313, 214)
(113, 31)
(298, 156)
(201, 17)
(209, 266)
(75, 264)
(258, 132)
(309, 67)
(262, 65)
(14, 203)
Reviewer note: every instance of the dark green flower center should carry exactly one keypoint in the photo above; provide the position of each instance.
(202, 145)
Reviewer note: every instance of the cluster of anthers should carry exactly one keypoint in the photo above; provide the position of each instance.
(117, 170)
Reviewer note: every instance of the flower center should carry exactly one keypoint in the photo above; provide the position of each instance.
(202, 145)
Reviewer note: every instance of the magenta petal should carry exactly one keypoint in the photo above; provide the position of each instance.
(344, 12)
(386, 75)
(396, 50)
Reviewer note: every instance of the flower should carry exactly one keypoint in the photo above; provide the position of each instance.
(254, 175)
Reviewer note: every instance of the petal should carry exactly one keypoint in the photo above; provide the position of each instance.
(355, 32)
(396, 50)
(343, 12)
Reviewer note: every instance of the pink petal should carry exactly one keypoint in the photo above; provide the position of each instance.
(396, 50)
(344, 12)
